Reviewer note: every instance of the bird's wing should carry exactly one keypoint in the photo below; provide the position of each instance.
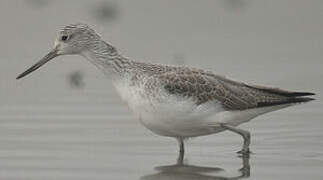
(205, 86)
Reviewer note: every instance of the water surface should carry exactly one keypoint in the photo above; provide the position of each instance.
(65, 121)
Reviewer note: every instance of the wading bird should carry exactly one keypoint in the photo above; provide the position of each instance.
(174, 101)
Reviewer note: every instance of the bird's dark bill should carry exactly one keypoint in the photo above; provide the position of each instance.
(52, 54)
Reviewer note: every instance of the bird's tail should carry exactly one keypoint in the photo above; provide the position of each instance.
(288, 97)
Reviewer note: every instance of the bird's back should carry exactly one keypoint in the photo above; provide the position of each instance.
(204, 86)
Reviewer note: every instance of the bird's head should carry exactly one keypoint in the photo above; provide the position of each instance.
(72, 39)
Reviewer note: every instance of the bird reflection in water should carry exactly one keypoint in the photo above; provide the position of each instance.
(181, 171)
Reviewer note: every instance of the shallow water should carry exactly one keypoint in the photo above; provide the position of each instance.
(55, 125)
(104, 142)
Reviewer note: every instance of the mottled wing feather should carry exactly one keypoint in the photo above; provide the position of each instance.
(205, 86)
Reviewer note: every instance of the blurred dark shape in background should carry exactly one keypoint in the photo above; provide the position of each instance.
(37, 3)
(179, 59)
(235, 5)
(76, 79)
(105, 11)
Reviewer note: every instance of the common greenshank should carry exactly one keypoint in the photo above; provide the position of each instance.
(174, 101)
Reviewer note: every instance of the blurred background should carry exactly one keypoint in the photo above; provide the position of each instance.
(65, 121)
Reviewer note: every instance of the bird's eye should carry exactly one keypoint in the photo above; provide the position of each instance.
(64, 38)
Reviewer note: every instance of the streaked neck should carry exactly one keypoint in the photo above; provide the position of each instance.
(106, 58)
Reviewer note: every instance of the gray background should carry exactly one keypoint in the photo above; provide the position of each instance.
(65, 121)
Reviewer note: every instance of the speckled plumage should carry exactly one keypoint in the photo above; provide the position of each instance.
(200, 85)
(204, 86)
(173, 101)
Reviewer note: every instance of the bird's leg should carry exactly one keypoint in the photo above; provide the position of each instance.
(245, 134)
(245, 170)
(181, 145)
(181, 151)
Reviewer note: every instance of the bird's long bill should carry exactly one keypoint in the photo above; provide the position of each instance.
(52, 54)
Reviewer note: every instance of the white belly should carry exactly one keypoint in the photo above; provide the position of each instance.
(168, 115)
